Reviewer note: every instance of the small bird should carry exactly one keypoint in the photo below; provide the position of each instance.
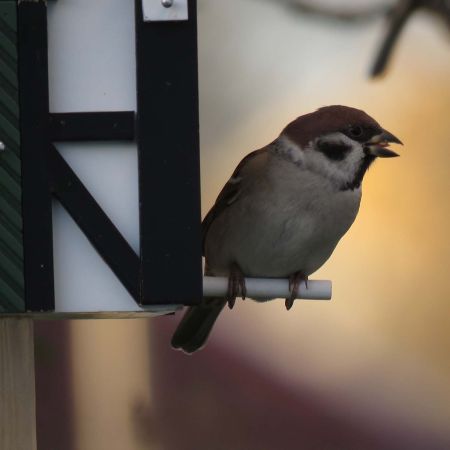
(285, 208)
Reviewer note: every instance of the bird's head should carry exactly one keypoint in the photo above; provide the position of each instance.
(339, 143)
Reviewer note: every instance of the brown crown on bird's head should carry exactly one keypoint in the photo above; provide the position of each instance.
(330, 119)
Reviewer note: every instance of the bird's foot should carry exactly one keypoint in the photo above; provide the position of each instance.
(236, 285)
(294, 284)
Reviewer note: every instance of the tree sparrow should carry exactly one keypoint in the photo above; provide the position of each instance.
(285, 208)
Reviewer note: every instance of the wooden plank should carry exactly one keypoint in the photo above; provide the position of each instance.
(55, 395)
(169, 168)
(17, 385)
(92, 126)
(34, 113)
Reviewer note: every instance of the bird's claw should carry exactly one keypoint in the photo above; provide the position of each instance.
(236, 286)
(294, 285)
(231, 302)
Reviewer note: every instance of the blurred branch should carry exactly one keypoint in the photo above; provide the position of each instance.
(343, 14)
(397, 14)
(397, 20)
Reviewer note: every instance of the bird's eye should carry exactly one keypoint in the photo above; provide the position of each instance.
(356, 131)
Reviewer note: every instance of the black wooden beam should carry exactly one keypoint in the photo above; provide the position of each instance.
(168, 149)
(34, 134)
(94, 223)
(92, 126)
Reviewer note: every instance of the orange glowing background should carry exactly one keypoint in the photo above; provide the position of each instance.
(384, 339)
(375, 359)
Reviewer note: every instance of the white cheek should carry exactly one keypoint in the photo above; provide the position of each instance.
(339, 171)
(290, 149)
(352, 161)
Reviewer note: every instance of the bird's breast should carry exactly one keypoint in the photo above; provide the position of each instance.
(283, 226)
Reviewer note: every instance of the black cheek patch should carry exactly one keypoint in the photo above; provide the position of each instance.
(335, 151)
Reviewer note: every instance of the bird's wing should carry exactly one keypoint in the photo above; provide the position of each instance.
(229, 194)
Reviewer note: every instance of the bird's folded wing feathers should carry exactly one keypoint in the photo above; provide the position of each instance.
(228, 195)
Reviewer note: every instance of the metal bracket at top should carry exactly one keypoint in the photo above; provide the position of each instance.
(164, 10)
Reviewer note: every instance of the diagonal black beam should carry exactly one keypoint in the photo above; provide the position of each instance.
(169, 168)
(92, 126)
(94, 223)
(35, 140)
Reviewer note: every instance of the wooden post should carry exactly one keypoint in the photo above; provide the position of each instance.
(17, 385)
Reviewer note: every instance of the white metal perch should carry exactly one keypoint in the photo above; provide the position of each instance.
(257, 288)
(260, 288)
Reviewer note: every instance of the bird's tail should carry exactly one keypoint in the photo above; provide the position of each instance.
(196, 324)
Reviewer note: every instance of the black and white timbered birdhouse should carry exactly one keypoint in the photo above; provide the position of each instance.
(85, 84)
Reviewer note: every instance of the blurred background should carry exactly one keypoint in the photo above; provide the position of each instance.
(368, 370)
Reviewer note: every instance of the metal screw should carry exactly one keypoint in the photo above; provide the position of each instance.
(167, 3)
(2, 146)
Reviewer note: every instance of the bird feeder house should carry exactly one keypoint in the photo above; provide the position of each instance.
(162, 84)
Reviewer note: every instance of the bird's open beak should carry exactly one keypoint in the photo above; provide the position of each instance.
(378, 145)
